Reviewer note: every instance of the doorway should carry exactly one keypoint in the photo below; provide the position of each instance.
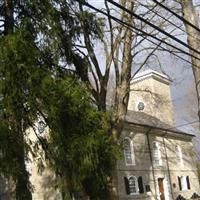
(161, 188)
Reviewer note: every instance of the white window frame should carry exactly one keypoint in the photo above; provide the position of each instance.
(183, 183)
(136, 185)
(179, 155)
(129, 153)
(157, 157)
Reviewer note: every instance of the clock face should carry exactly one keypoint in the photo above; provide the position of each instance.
(140, 106)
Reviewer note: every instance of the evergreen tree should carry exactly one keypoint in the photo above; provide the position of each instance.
(36, 38)
(82, 151)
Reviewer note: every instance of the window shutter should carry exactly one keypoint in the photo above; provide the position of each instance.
(188, 182)
(179, 182)
(148, 189)
(140, 185)
(126, 182)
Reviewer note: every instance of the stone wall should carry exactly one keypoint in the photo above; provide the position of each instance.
(169, 170)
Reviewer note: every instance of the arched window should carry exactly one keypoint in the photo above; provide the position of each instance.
(157, 153)
(134, 185)
(41, 126)
(179, 156)
(129, 152)
(28, 165)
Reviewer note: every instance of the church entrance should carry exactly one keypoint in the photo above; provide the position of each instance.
(161, 188)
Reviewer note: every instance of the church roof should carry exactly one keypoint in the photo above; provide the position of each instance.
(145, 120)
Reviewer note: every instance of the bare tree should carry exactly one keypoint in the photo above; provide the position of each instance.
(126, 52)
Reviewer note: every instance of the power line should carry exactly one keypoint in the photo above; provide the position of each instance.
(162, 48)
(185, 124)
(173, 13)
(131, 27)
(178, 16)
(194, 36)
(128, 26)
(152, 25)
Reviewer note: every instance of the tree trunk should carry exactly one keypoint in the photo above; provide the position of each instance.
(9, 17)
(22, 178)
(193, 38)
(122, 89)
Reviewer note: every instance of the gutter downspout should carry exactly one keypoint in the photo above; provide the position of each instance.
(150, 154)
(168, 170)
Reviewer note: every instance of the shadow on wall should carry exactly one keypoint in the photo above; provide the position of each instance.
(6, 189)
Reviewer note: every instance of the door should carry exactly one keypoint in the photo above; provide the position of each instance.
(161, 188)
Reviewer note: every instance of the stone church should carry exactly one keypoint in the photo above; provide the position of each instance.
(158, 158)
(158, 161)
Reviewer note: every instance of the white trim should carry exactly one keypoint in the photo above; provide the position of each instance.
(165, 185)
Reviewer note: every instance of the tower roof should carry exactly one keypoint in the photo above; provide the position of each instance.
(151, 74)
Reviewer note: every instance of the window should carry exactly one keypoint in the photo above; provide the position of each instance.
(28, 165)
(134, 185)
(157, 154)
(133, 188)
(179, 156)
(184, 182)
(41, 126)
(148, 189)
(129, 152)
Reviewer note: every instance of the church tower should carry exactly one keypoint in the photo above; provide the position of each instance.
(150, 93)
